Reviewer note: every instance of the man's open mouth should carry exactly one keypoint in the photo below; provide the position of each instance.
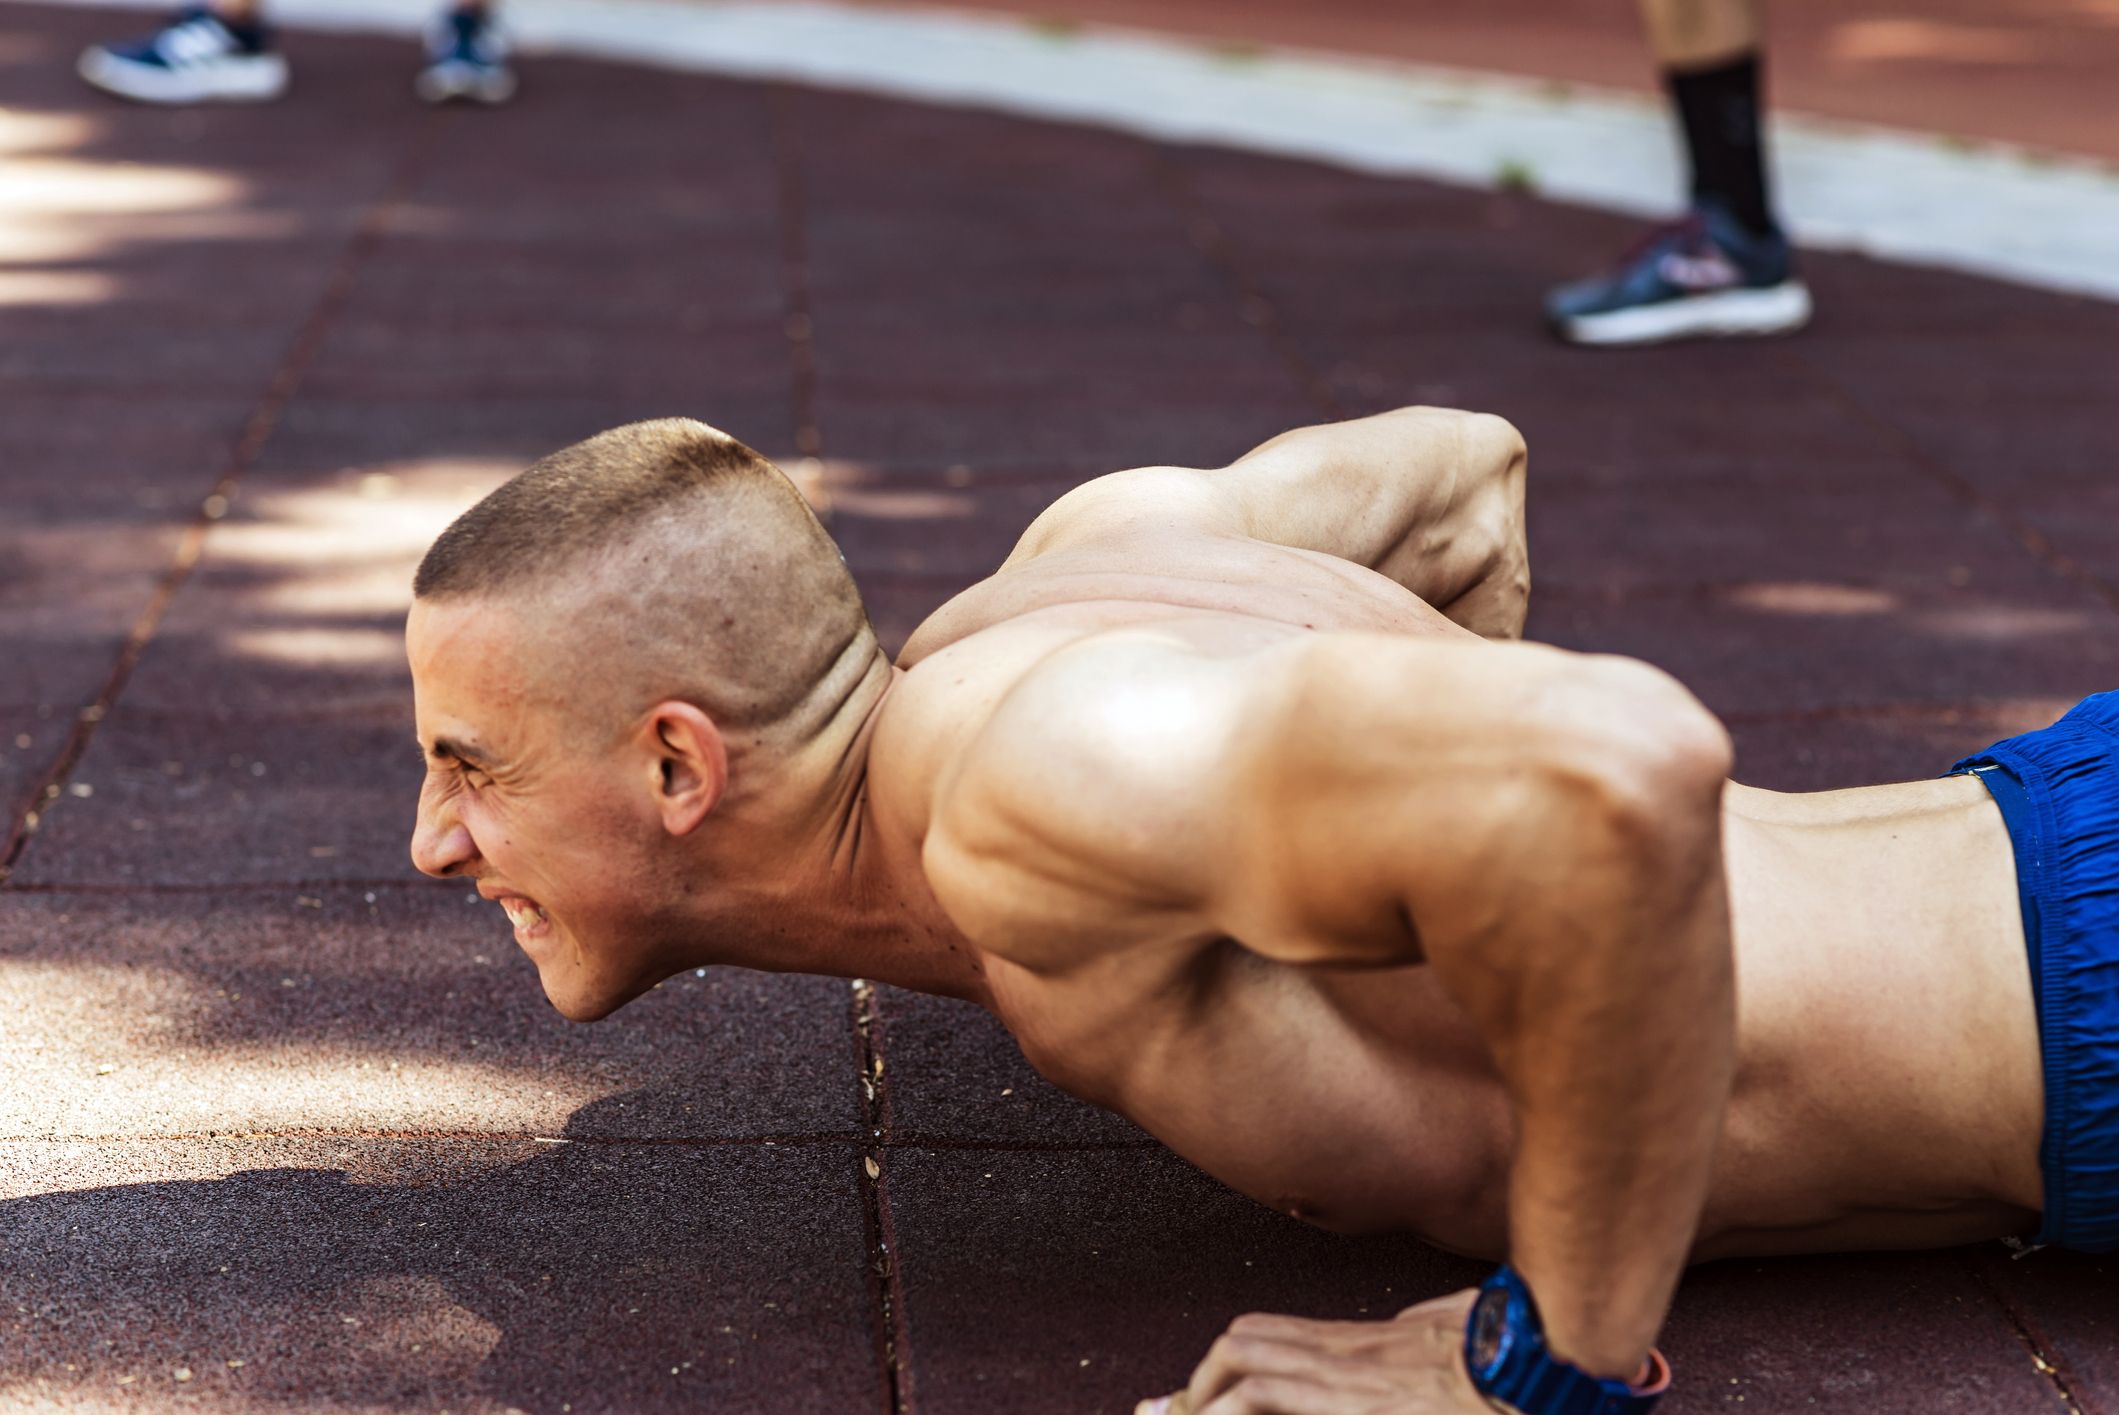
(523, 914)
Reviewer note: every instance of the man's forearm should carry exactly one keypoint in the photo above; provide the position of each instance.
(1621, 1074)
(1603, 980)
(1431, 497)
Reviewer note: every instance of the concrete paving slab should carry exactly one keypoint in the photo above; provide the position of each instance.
(395, 1010)
(2016, 70)
(266, 1275)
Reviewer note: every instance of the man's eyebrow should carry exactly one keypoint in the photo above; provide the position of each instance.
(449, 749)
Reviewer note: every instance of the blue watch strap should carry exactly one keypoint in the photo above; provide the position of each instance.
(1506, 1354)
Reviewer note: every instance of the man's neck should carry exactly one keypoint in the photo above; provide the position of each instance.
(839, 888)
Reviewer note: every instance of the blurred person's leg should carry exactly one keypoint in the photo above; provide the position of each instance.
(1709, 51)
(1726, 268)
(218, 52)
(467, 58)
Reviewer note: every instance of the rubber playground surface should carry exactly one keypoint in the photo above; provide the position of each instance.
(287, 1127)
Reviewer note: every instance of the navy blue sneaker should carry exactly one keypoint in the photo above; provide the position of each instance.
(466, 58)
(196, 58)
(1703, 276)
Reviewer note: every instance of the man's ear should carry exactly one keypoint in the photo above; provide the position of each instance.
(689, 762)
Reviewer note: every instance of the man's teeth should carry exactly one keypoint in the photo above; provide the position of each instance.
(521, 913)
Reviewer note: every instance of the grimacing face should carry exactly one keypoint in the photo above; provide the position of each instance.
(546, 820)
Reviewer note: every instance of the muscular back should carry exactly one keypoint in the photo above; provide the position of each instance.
(1061, 745)
(1139, 632)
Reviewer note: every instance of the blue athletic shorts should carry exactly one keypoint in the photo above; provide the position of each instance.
(2058, 789)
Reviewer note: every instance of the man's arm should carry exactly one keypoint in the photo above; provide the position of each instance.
(1431, 497)
(1543, 829)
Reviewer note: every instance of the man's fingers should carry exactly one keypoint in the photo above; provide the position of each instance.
(1178, 1404)
(1277, 1346)
(1278, 1395)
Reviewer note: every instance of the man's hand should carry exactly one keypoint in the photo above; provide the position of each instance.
(1410, 1365)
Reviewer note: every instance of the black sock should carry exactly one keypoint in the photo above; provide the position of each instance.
(249, 33)
(1720, 110)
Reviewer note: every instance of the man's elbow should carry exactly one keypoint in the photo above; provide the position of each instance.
(1649, 757)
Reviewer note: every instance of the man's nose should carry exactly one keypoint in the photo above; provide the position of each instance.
(441, 846)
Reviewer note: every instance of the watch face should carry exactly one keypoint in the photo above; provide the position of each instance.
(1489, 1329)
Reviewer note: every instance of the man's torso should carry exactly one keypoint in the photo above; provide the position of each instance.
(1361, 1098)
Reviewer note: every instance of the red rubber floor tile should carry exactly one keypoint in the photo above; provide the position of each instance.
(1085, 1280)
(470, 359)
(1888, 527)
(266, 1274)
(953, 1073)
(389, 1010)
(1136, 434)
(318, 438)
(1831, 750)
(996, 307)
(1896, 1334)
(196, 800)
(1803, 648)
(957, 525)
(2064, 1303)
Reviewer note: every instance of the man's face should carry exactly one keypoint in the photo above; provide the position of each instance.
(544, 810)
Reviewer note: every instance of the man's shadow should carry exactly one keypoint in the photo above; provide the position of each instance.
(594, 1274)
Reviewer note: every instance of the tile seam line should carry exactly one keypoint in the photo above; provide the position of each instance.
(788, 154)
(2041, 1348)
(1207, 236)
(881, 1270)
(258, 427)
(2027, 537)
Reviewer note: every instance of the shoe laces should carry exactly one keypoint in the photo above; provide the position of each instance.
(1689, 229)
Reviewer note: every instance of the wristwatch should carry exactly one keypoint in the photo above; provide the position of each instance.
(1505, 1351)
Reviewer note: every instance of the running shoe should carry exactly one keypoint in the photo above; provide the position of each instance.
(466, 58)
(196, 58)
(1705, 276)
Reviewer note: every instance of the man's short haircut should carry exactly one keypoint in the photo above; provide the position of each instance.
(736, 596)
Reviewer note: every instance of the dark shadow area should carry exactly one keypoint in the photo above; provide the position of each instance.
(592, 1276)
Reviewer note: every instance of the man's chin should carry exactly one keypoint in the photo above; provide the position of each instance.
(581, 999)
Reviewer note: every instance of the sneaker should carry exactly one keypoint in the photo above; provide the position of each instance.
(196, 58)
(1704, 276)
(466, 58)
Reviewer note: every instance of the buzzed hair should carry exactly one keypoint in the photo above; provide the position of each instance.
(737, 597)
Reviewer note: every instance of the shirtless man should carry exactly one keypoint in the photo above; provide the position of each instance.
(1231, 796)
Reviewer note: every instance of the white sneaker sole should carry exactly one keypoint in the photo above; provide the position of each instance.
(444, 83)
(249, 78)
(1776, 309)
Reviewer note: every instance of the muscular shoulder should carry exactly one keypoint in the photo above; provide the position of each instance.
(1086, 811)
